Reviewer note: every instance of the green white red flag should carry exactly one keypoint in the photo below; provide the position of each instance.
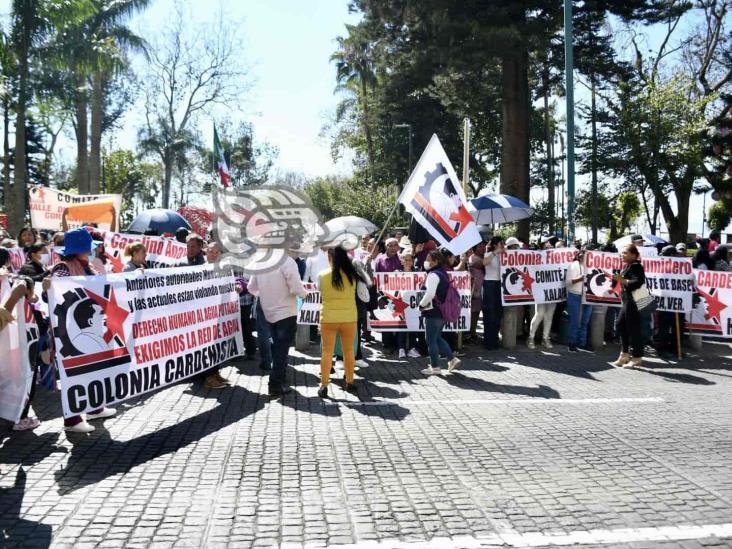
(220, 160)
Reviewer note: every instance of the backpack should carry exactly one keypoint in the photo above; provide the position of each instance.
(450, 307)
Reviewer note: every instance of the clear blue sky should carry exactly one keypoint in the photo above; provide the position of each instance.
(287, 47)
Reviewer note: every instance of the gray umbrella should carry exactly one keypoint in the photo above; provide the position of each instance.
(347, 230)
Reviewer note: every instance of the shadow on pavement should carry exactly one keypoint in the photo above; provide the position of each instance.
(96, 457)
(14, 530)
(456, 379)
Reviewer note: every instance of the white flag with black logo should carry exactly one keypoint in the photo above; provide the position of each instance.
(435, 197)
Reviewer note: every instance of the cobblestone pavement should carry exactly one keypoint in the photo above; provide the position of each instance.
(521, 449)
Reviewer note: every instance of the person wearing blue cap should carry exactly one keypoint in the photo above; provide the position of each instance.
(78, 245)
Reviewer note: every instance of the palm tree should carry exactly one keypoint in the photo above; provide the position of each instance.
(96, 50)
(354, 72)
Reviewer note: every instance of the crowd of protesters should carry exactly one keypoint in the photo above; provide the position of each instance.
(345, 279)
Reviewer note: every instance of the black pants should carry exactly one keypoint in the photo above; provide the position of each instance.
(32, 394)
(247, 330)
(629, 329)
(283, 335)
(666, 331)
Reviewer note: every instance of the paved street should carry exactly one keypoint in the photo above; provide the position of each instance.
(518, 449)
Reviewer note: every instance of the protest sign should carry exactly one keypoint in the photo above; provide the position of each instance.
(60, 211)
(122, 335)
(308, 309)
(534, 276)
(159, 252)
(669, 279)
(712, 304)
(17, 258)
(15, 373)
(398, 297)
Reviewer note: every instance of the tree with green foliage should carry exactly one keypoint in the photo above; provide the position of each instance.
(135, 180)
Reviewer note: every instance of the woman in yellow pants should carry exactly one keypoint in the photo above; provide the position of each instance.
(338, 316)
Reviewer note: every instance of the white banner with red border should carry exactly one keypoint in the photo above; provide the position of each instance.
(535, 276)
(711, 314)
(122, 335)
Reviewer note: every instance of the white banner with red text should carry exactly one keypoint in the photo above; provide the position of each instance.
(398, 297)
(711, 314)
(669, 279)
(160, 252)
(535, 276)
(60, 211)
(121, 335)
(15, 371)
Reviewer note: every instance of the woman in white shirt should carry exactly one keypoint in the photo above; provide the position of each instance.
(543, 315)
(492, 305)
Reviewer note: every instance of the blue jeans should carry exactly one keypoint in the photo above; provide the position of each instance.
(492, 313)
(264, 339)
(579, 320)
(435, 344)
(283, 333)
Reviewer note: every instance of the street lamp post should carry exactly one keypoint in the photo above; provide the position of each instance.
(569, 84)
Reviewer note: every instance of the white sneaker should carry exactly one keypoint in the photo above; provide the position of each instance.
(361, 363)
(453, 364)
(530, 343)
(547, 344)
(402, 353)
(82, 427)
(413, 353)
(101, 414)
(339, 365)
(431, 371)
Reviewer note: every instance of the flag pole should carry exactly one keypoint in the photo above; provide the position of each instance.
(466, 172)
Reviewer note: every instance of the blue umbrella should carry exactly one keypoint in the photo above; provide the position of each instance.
(162, 221)
(491, 209)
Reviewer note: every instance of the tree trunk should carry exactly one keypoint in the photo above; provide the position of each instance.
(515, 131)
(82, 138)
(595, 219)
(549, 142)
(95, 158)
(6, 149)
(367, 127)
(167, 179)
(15, 202)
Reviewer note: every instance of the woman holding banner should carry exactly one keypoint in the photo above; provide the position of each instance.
(137, 253)
(631, 278)
(492, 304)
(338, 316)
(435, 288)
(35, 266)
(78, 245)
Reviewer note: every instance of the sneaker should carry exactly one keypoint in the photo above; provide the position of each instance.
(339, 365)
(26, 424)
(431, 371)
(587, 349)
(413, 353)
(453, 364)
(101, 414)
(547, 344)
(573, 349)
(212, 382)
(81, 427)
(402, 353)
(361, 363)
(530, 343)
